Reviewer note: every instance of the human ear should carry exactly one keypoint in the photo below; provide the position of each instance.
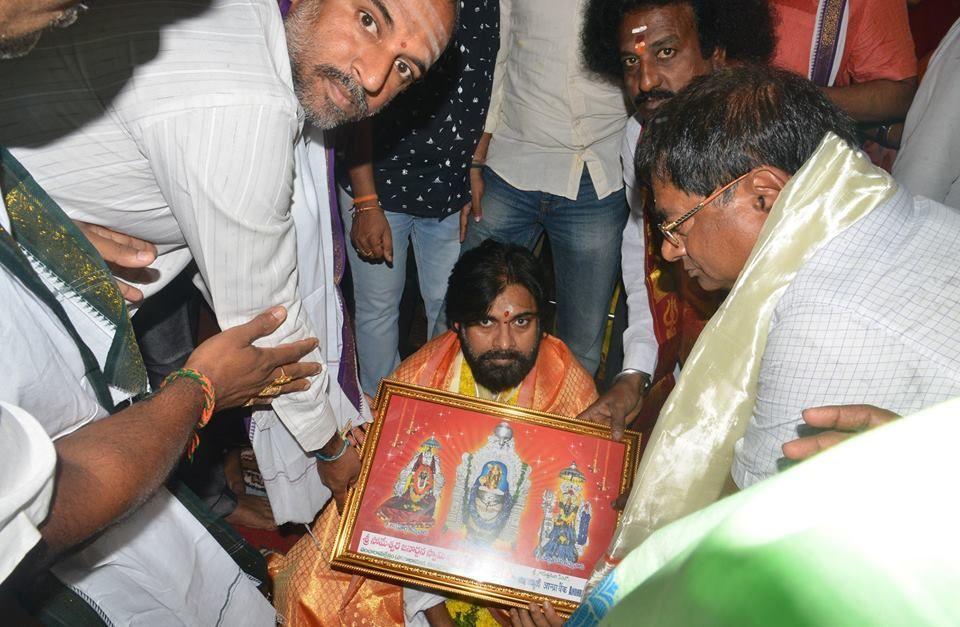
(765, 185)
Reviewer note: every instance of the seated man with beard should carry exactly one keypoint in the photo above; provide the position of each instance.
(495, 350)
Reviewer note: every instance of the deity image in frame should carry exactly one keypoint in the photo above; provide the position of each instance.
(490, 492)
(564, 531)
(416, 492)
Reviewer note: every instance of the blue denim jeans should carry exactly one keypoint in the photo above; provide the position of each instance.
(377, 287)
(584, 238)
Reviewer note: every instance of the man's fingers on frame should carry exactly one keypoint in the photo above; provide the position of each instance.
(617, 427)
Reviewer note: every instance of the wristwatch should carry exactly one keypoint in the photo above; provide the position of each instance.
(883, 135)
(646, 379)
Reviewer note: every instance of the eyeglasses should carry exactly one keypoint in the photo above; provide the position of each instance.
(668, 228)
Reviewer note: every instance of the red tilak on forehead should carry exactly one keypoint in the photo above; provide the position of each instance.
(403, 44)
(638, 43)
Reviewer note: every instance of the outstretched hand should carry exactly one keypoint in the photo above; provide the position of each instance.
(126, 256)
(239, 370)
(840, 423)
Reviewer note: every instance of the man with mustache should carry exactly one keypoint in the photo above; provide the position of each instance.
(85, 451)
(841, 284)
(496, 350)
(654, 49)
(183, 124)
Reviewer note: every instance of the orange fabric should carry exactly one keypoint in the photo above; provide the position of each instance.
(557, 384)
(878, 44)
(308, 593)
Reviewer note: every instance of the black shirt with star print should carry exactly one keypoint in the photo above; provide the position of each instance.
(424, 140)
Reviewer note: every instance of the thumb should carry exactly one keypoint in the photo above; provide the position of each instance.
(264, 324)
(617, 426)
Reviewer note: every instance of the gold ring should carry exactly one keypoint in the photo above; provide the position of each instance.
(283, 379)
(270, 390)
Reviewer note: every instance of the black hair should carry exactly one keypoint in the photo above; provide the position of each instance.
(727, 123)
(742, 28)
(484, 272)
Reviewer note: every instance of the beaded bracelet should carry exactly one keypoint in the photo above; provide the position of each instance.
(209, 402)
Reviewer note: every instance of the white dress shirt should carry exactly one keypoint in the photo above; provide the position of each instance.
(870, 318)
(639, 340)
(159, 561)
(27, 462)
(549, 116)
(928, 162)
(177, 123)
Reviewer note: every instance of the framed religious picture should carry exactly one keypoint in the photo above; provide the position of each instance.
(476, 499)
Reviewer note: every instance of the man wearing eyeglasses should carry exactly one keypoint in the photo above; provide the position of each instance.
(844, 288)
(655, 48)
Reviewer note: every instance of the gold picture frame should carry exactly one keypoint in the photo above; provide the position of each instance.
(404, 522)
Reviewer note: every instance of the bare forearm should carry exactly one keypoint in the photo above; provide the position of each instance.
(108, 468)
(480, 153)
(874, 101)
(360, 159)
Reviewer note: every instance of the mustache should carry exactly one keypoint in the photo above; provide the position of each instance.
(493, 355)
(354, 90)
(654, 94)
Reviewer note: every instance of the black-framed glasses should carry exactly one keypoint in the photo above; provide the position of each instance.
(668, 228)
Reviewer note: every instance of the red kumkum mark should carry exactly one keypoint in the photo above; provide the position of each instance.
(638, 43)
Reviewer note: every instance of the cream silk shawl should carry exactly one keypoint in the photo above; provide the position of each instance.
(688, 459)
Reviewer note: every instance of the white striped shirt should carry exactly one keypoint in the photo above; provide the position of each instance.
(176, 122)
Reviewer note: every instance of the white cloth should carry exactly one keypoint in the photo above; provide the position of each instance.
(639, 340)
(27, 462)
(177, 123)
(548, 114)
(135, 574)
(928, 162)
(188, 134)
(871, 318)
(416, 603)
(289, 473)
